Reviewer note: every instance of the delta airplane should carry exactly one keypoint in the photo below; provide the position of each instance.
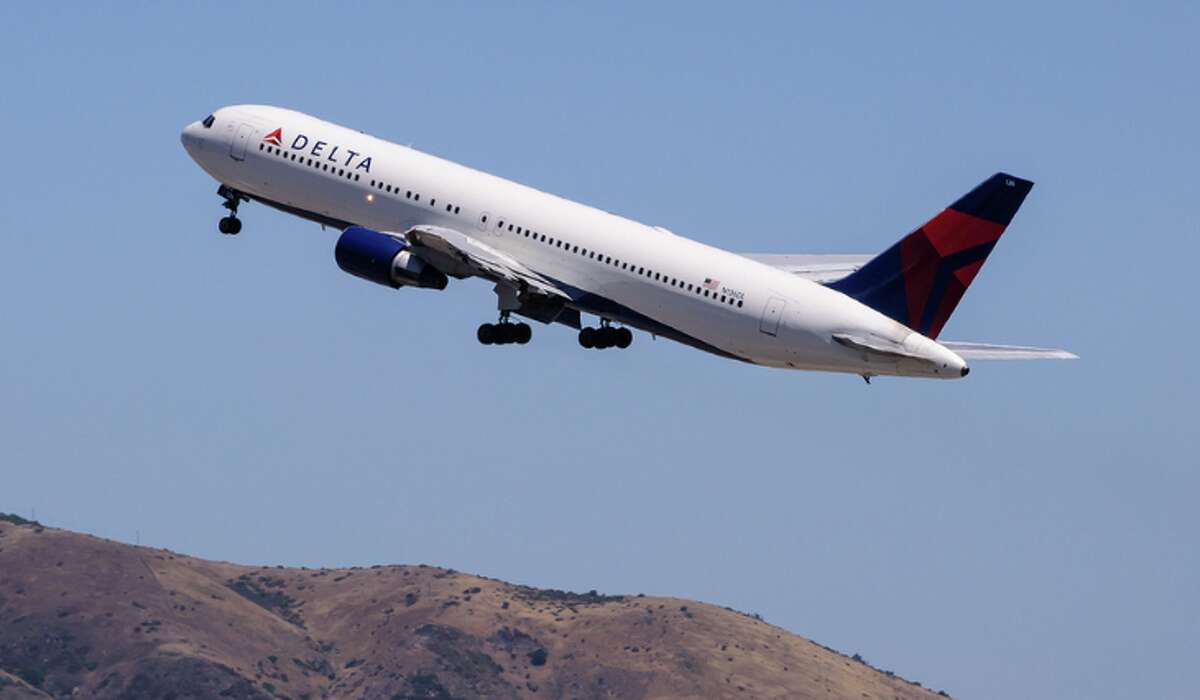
(409, 219)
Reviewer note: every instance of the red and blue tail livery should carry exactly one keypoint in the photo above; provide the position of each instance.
(920, 280)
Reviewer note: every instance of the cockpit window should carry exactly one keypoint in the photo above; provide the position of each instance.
(208, 121)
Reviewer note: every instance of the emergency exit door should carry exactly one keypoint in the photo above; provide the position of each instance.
(241, 139)
(772, 315)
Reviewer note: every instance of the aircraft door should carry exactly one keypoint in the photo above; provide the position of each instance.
(241, 139)
(771, 316)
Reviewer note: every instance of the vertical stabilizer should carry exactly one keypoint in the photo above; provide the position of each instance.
(919, 280)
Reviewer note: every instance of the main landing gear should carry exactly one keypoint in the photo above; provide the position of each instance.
(605, 337)
(230, 225)
(504, 333)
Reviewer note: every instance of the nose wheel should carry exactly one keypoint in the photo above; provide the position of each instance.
(230, 225)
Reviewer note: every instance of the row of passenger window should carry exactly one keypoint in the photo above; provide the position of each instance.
(342, 172)
(697, 289)
(409, 194)
(312, 163)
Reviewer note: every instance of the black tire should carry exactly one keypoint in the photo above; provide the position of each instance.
(505, 333)
(587, 337)
(524, 333)
(223, 225)
(624, 338)
(486, 334)
(235, 225)
(604, 339)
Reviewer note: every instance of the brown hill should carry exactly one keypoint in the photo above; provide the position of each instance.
(96, 618)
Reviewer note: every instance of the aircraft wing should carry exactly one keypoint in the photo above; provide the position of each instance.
(461, 255)
(985, 351)
(818, 268)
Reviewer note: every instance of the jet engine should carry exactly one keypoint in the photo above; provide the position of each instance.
(384, 259)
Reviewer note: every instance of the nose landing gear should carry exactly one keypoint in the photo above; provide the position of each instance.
(230, 225)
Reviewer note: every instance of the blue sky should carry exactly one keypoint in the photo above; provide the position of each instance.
(1030, 531)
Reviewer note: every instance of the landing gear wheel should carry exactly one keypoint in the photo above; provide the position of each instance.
(486, 334)
(523, 333)
(229, 225)
(605, 337)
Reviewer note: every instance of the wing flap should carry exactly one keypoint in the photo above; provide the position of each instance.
(987, 351)
(480, 258)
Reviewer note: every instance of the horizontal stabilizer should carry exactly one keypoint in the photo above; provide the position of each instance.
(817, 268)
(873, 344)
(986, 351)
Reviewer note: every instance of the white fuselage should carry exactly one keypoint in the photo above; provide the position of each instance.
(722, 301)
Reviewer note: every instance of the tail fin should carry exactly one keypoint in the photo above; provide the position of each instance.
(919, 280)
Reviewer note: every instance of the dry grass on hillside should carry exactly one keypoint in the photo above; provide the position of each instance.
(109, 620)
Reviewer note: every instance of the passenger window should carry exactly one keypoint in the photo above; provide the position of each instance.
(416, 197)
(483, 218)
(455, 209)
(433, 201)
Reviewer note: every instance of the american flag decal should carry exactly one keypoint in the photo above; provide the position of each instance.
(710, 283)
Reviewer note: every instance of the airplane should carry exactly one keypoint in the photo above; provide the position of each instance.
(410, 219)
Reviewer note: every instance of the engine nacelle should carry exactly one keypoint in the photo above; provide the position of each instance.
(383, 259)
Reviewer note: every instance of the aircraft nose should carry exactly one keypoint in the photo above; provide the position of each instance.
(190, 137)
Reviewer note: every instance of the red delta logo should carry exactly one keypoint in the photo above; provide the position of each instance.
(275, 138)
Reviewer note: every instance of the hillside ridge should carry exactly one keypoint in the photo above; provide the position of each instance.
(97, 618)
